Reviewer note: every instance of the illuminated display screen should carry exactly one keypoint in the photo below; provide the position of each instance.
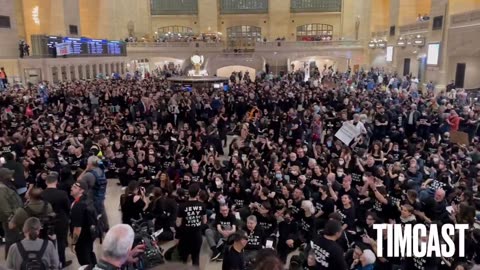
(86, 47)
(433, 54)
(389, 56)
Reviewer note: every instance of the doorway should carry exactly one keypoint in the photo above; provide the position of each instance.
(406, 66)
(460, 75)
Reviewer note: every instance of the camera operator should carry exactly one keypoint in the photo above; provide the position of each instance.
(164, 210)
(132, 202)
(117, 248)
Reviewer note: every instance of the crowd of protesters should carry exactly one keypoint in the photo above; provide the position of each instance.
(285, 179)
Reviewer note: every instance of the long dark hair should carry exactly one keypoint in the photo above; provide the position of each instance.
(129, 191)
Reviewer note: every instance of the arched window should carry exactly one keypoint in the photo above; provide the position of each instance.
(315, 32)
(242, 36)
(174, 32)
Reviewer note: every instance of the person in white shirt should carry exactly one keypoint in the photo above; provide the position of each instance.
(358, 124)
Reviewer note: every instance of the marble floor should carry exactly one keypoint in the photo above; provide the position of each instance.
(114, 216)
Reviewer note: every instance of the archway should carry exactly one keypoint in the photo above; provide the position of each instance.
(87, 72)
(227, 71)
(339, 63)
(63, 76)
(55, 76)
(80, 72)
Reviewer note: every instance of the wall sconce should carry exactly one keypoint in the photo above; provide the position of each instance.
(419, 41)
(381, 44)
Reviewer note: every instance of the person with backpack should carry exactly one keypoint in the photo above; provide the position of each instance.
(36, 207)
(82, 220)
(32, 252)
(9, 201)
(96, 180)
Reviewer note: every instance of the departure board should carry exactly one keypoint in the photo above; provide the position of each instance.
(83, 47)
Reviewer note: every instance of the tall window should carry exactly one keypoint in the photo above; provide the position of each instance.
(242, 36)
(173, 7)
(316, 5)
(243, 6)
(314, 32)
(5, 22)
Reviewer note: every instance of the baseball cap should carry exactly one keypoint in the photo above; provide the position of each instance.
(81, 185)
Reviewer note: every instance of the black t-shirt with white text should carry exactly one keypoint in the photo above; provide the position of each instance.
(192, 213)
(328, 254)
(226, 223)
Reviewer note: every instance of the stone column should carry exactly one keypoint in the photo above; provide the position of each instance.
(279, 20)
(208, 16)
(67, 71)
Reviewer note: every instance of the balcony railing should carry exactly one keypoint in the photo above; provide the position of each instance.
(259, 46)
(306, 44)
(173, 7)
(417, 27)
(179, 44)
(243, 6)
(471, 17)
(316, 5)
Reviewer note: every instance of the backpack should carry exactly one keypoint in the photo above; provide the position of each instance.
(46, 220)
(100, 186)
(34, 262)
(93, 220)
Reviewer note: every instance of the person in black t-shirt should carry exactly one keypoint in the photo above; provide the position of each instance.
(224, 226)
(60, 203)
(82, 238)
(256, 238)
(234, 258)
(191, 217)
(328, 254)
